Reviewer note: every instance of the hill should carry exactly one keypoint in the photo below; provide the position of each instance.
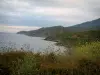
(44, 32)
(90, 25)
(52, 31)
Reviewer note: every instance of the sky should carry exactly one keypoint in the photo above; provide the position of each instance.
(19, 15)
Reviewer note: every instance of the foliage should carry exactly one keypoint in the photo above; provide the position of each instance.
(83, 60)
(91, 50)
(29, 63)
(78, 38)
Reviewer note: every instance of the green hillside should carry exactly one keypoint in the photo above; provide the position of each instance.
(52, 31)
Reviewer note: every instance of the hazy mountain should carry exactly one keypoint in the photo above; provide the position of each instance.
(91, 25)
(51, 31)
(44, 32)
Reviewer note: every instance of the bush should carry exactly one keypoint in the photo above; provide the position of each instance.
(10, 60)
(51, 63)
(30, 65)
(90, 51)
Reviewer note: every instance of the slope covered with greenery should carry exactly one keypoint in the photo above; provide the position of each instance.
(52, 31)
(83, 57)
(78, 38)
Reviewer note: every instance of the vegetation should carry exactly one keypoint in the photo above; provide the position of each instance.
(82, 59)
(90, 51)
(52, 31)
(78, 38)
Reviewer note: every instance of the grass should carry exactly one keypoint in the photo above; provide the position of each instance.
(90, 51)
(71, 39)
(84, 61)
(83, 58)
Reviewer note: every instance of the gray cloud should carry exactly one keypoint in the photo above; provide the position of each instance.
(48, 12)
(56, 3)
(92, 6)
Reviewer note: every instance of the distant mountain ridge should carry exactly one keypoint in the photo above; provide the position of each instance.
(52, 31)
(43, 32)
(86, 26)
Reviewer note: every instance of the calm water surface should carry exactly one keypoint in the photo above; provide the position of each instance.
(17, 41)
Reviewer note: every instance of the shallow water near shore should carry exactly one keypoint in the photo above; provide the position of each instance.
(18, 41)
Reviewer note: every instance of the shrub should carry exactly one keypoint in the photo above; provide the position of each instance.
(91, 51)
(30, 66)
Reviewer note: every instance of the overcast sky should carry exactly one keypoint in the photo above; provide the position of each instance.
(17, 15)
